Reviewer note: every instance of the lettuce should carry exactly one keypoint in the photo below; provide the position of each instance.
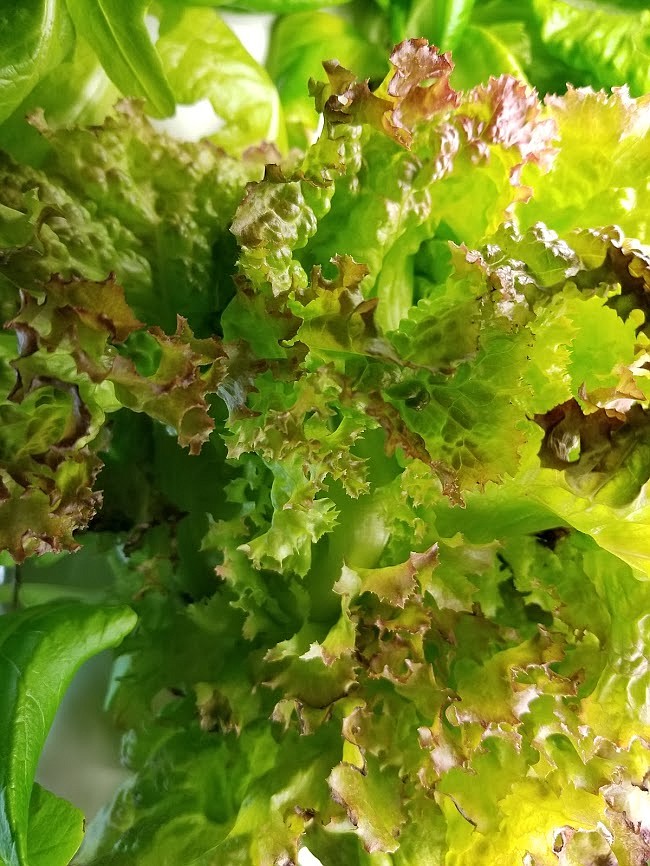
(379, 502)
(549, 43)
(83, 351)
(72, 59)
(204, 59)
(37, 38)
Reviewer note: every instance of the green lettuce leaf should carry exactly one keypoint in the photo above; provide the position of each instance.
(497, 671)
(46, 468)
(377, 826)
(77, 91)
(69, 375)
(394, 610)
(489, 51)
(203, 59)
(276, 6)
(81, 318)
(36, 37)
(601, 41)
(47, 811)
(299, 45)
(443, 24)
(587, 388)
(41, 650)
(582, 189)
(146, 221)
(117, 33)
(339, 321)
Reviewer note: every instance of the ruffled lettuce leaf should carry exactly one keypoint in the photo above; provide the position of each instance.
(68, 376)
(483, 46)
(71, 239)
(586, 460)
(366, 177)
(160, 221)
(582, 189)
(550, 43)
(394, 609)
(422, 694)
(291, 224)
(534, 321)
(299, 44)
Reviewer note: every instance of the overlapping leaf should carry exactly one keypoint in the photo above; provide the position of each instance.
(121, 198)
(422, 532)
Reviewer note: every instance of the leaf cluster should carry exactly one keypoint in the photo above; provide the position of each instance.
(357, 432)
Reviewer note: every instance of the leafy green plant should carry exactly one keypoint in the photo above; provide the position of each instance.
(73, 58)
(41, 649)
(380, 501)
(550, 43)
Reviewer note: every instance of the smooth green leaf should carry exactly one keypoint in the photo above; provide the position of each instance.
(442, 23)
(116, 31)
(41, 650)
(46, 811)
(32, 594)
(482, 53)
(203, 59)
(518, 26)
(35, 36)
(278, 7)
